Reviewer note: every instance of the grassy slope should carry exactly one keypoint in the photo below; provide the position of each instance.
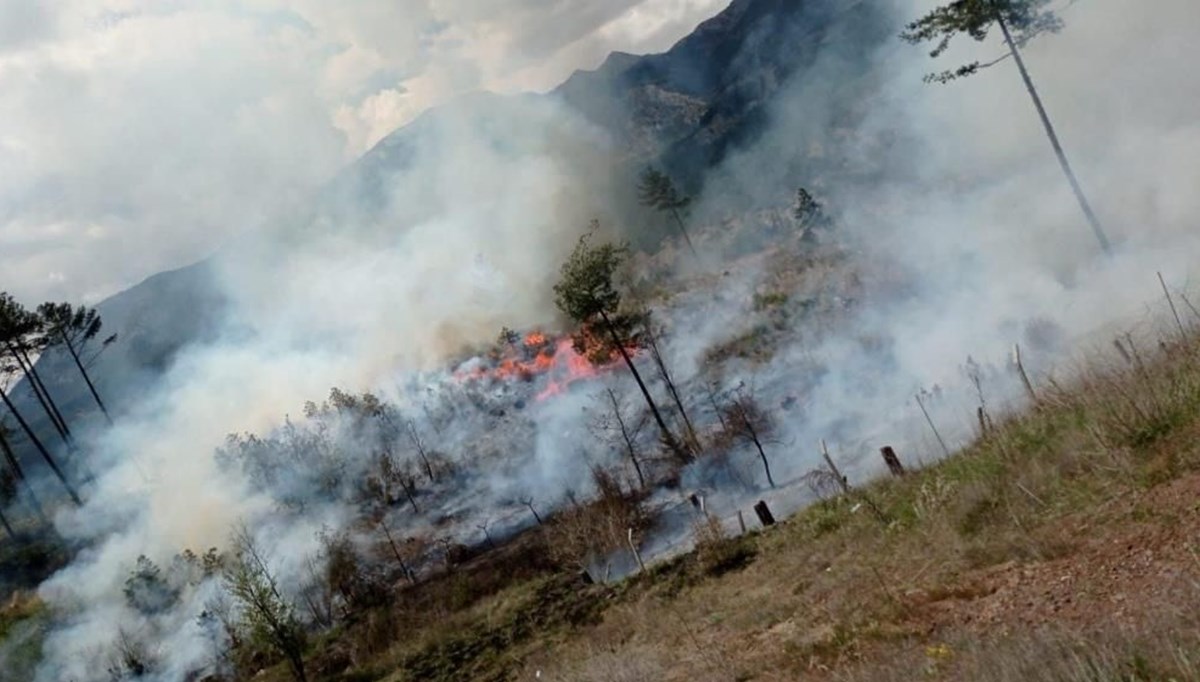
(1057, 548)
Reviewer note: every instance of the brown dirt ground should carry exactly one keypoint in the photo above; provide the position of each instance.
(1146, 562)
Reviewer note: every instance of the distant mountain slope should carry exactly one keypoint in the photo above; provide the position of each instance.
(710, 91)
(154, 320)
(685, 108)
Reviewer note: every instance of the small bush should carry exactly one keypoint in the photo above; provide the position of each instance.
(718, 554)
(583, 532)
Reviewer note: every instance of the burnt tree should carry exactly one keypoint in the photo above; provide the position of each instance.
(587, 295)
(748, 422)
(31, 436)
(651, 336)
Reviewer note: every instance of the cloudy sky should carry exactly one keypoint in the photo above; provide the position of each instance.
(137, 135)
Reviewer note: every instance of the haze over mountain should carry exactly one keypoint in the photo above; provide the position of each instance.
(139, 136)
(682, 109)
(945, 234)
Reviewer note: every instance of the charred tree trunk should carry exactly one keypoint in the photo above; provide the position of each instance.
(296, 663)
(37, 443)
(408, 573)
(663, 372)
(683, 230)
(18, 472)
(12, 534)
(35, 386)
(1097, 230)
(627, 438)
(763, 456)
(420, 446)
(712, 399)
(536, 516)
(683, 455)
(410, 491)
(37, 380)
(86, 378)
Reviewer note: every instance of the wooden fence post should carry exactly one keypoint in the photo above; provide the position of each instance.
(892, 460)
(741, 522)
(636, 554)
(1171, 302)
(1024, 376)
(764, 513)
(845, 484)
(933, 427)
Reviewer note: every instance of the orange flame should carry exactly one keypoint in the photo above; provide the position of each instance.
(540, 356)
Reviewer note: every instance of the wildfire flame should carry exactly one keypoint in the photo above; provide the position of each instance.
(538, 355)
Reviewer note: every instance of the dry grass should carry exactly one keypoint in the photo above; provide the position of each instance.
(833, 593)
(1165, 650)
(965, 580)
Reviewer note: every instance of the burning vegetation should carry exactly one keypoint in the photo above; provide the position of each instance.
(555, 363)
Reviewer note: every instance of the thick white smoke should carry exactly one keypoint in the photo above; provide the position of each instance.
(965, 239)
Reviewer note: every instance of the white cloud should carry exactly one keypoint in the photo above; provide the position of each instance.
(139, 136)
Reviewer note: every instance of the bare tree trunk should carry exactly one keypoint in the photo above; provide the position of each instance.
(528, 502)
(409, 486)
(60, 427)
(37, 378)
(408, 573)
(762, 455)
(12, 534)
(747, 427)
(296, 663)
(712, 399)
(933, 427)
(87, 379)
(19, 474)
(1097, 230)
(683, 455)
(666, 377)
(684, 232)
(416, 439)
(637, 466)
(41, 449)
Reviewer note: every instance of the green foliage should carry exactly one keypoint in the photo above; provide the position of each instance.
(487, 649)
(769, 300)
(347, 576)
(586, 288)
(24, 622)
(201, 566)
(808, 211)
(24, 565)
(587, 295)
(147, 591)
(656, 190)
(266, 619)
(974, 18)
(16, 322)
(62, 320)
(507, 337)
